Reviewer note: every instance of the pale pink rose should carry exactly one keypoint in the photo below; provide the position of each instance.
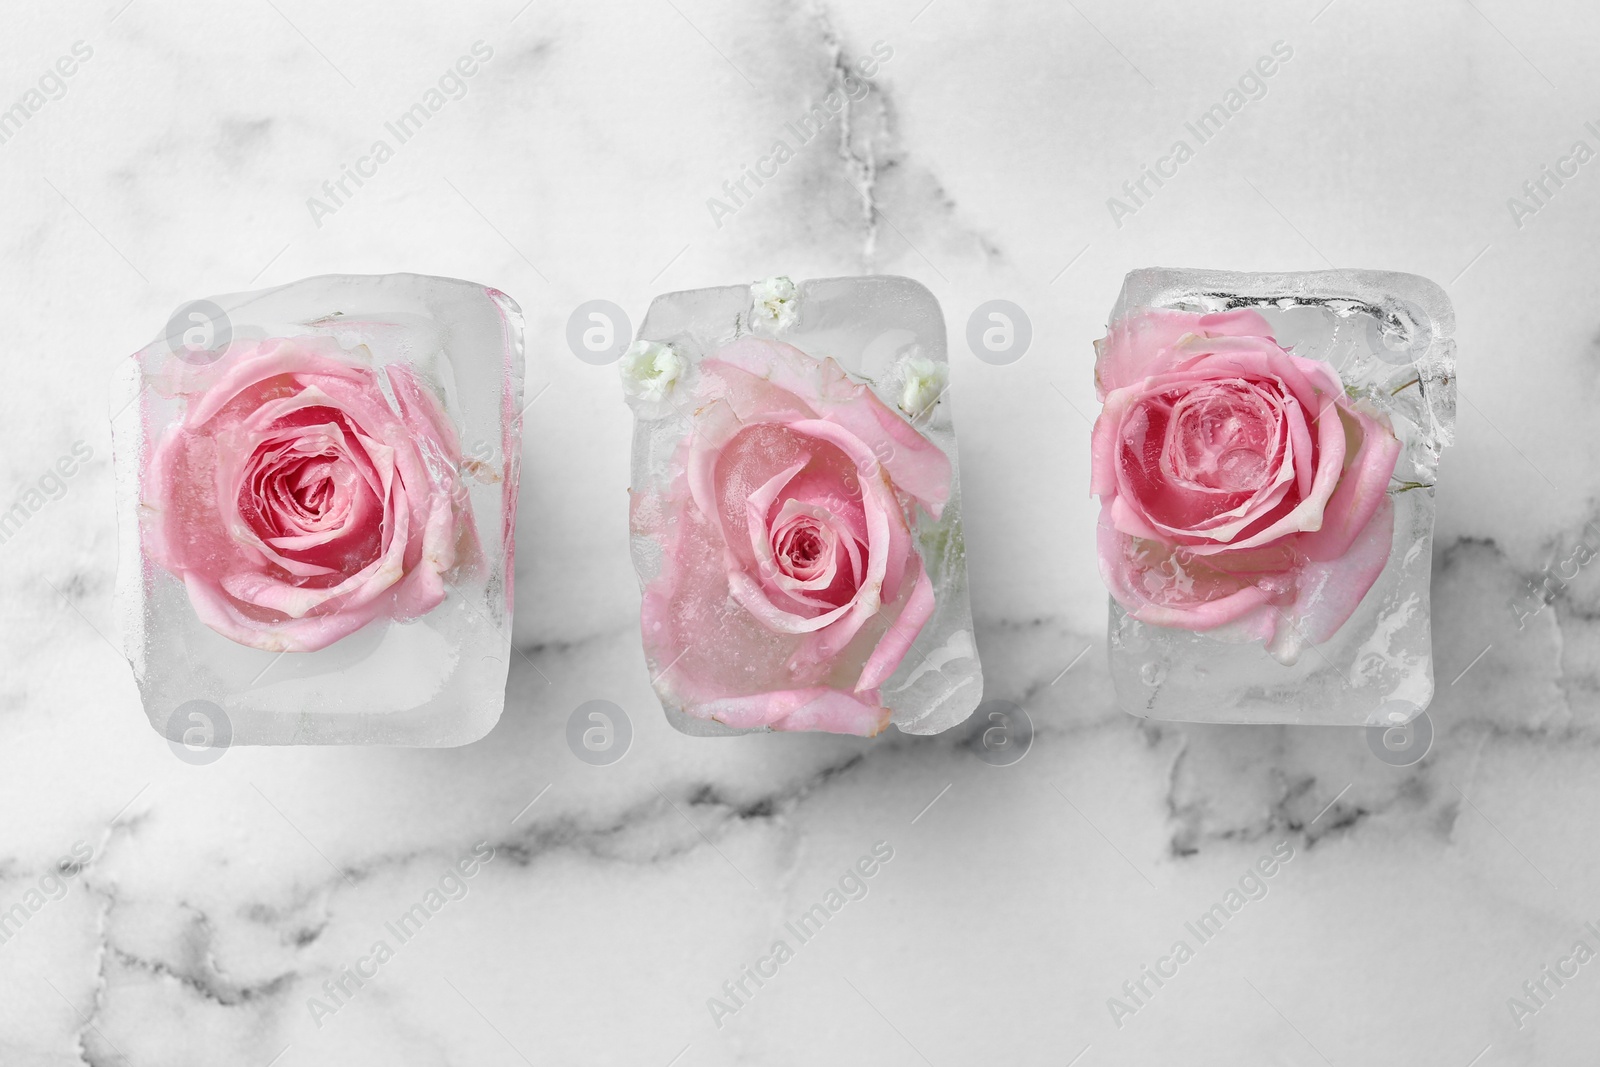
(1240, 487)
(297, 502)
(790, 587)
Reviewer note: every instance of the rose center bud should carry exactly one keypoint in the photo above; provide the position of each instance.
(1223, 442)
(313, 491)
(801, 549)
(295, 493)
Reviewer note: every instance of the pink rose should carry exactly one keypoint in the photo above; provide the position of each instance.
(789, 587)
(1240, 487)
(297, 503)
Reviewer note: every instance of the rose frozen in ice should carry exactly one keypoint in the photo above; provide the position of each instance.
(1242, 491)
(298, 502)
(790, 587)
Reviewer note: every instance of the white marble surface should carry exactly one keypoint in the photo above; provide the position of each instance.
(218, 899)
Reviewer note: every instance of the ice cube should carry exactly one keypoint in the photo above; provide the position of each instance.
(1389, 337)
(703, 640)
(428, 668)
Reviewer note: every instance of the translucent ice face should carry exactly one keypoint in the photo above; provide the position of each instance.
(317, 491)
(1385, 339)
(796, 506)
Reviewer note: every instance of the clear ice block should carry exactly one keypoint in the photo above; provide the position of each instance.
(428, 668)
(1389, 337)
(885, 333)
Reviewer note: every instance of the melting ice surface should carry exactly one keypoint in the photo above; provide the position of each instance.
(1390, 338)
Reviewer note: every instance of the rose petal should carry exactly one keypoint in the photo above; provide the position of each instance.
(916, 465)
(902, 633)
(1363, 488)
(815, 708)
(1329, 591)
(1136, 345)
(214, 609)
(1125, 578)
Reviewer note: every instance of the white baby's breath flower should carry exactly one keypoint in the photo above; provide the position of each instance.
(922, 382)
(774, 302)
(650, 369)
